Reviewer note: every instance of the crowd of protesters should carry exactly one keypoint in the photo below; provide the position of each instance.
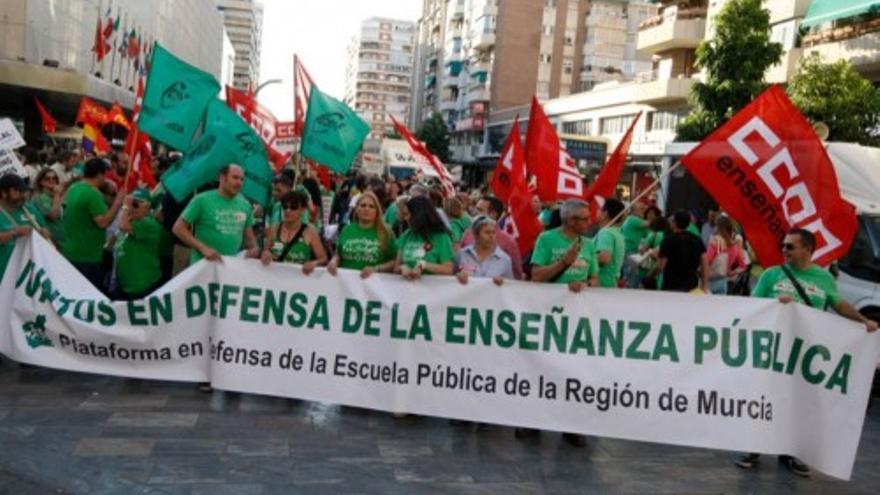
(128, 240)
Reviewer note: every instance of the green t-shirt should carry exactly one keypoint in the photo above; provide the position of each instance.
(218, 221)
(634, 229)
(359, 247)
(299, 252)
(610, 239)
(413, 248)
(817, 283)
(458, 226)
(545, 217)
(390, 216)
(694, 230)
(6, 248)
(137, 256)
(83, 239)
(552, 245)
(42, 203)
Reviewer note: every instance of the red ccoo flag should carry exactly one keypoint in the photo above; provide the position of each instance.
(50, 125)
(522, 222)
(767, 168)
(139, 147)
(546, 159)
(510, 172)
(419, 148)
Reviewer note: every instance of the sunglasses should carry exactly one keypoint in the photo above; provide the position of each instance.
(788, 246)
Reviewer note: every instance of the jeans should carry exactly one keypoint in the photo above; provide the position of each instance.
(718, 286)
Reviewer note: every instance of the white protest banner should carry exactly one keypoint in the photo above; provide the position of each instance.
(718, 372)
(9, 136)
(9, 163)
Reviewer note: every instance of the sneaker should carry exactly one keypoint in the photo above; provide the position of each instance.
(522, 433)
(794, 465)
(575, 439)
(747, 461)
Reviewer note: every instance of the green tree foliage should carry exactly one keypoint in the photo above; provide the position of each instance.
(834, 93)
(435, 134)
(734, 61)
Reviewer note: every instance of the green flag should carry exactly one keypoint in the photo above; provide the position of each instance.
(175, 99)
(333, 133)
(226, 139)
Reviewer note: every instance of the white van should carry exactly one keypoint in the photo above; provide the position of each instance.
(858, 174)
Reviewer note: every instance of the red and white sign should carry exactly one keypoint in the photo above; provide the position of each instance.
(767, 169)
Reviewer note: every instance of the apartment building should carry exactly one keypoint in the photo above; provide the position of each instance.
(478, 57)
(379, 75)
(243, 20)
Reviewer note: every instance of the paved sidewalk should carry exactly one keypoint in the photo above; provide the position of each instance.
(63, 432)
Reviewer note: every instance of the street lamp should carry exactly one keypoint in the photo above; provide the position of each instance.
(264, 84)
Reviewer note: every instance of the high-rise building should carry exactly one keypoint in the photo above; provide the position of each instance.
(480, 57)
(46, 51)
(379, 75)
(244, 25)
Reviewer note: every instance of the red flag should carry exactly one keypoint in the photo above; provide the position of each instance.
(49, 123)
(522, 222)
(90, 112)
(510, 172)
(100, 47)
(260, 119)
(134, 47)
(419, 148)
(139, 147)
(138, 101)
(108, 29)
(117, 116)
(546, 159)
(302, 86)
(323, 174)
(606, 183)
(767, 168)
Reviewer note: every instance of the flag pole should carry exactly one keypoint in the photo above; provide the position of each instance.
(645, 192)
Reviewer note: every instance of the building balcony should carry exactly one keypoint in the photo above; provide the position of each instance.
(447, 105)
(786, 68)
(858, 43)
(483, 41)
(449, 80)
(783, 10)
(458, 10)
(476, 93)
(684, 30)
(653, 90)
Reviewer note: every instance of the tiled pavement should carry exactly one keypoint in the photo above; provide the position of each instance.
(74, 433)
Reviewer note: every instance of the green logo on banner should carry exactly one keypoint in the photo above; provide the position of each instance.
(35, 332)
(247, 143)
(174, 95)
(330, 122)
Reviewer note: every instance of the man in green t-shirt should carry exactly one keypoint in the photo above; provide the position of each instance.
(820, 290)
(222, 219)
(138, 268)
(565, 256)
(635, 227)
(610, 244)
(85, 220)
(12, 226)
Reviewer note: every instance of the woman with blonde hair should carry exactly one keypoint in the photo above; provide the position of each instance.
(725, 256)
(366, 243)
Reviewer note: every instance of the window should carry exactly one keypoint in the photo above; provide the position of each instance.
(545, 58)
(579, 127)
(614, 125)
(663, 121)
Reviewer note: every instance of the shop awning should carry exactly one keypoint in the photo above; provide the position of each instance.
(824, 11)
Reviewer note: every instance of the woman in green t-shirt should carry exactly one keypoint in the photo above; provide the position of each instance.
(459, 220)
(365, 244)
(426, 246)
(47, 199)
(295, 241)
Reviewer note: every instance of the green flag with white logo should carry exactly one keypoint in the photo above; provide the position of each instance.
(333, 133)
(175, 99)
(226, 139)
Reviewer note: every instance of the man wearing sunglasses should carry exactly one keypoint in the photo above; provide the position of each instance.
(801, 280)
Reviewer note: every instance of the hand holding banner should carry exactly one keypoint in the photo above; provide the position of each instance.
(767, 169)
